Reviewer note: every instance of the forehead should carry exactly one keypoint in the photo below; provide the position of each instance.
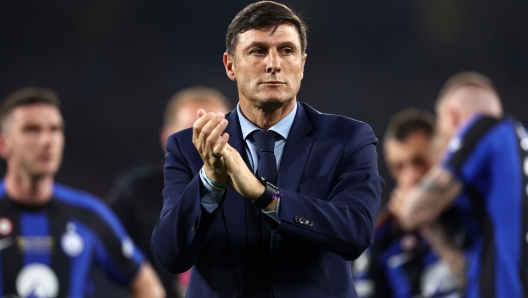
(416, 144)
(36, 113)
(285, 32)
(459, 93)
(210, 105)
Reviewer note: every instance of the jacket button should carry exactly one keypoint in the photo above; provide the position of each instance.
(309, 223)
(195, 224)
(297, 219)
(302, 220)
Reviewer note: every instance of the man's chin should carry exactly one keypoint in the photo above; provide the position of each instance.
(273, 103)
(44, 172)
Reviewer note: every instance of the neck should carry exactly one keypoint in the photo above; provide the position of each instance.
(28, 190)
(266, 118)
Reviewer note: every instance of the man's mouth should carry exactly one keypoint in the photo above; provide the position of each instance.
(273, 83)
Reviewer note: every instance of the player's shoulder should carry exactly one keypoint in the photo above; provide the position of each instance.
(83, 203)
(479, 125)
(479, 131)
(80, 199)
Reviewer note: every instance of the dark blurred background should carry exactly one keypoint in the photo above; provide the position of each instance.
(115, 64)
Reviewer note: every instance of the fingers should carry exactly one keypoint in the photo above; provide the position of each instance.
(220, 146)
(199, 124)
(207, 130)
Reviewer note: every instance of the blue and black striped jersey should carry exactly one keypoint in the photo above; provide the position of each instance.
(51, 250)
(489, 156)
(401, 264)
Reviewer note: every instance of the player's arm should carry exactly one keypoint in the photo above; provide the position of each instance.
(424, 203)
(445, 246)
(146, 284)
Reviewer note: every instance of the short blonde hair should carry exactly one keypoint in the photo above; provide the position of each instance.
(198, 94)
(466, 78)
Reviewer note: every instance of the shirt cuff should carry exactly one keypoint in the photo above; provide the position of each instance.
(211, 197)
(274, 214)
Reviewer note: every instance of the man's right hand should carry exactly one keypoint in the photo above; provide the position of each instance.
(208, 138)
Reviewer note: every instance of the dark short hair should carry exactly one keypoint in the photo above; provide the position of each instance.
(27, 96)
(466, 78)
(409, 121)
(197, 94)
(263, 14)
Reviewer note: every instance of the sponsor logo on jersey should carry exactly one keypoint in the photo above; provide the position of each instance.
(37, 280)
(35, 244)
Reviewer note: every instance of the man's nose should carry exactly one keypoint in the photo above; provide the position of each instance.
(273, 62)
(411, 177)
(46, 138)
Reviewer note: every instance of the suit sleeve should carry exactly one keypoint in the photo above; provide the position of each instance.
(182, 230)
(343, 222)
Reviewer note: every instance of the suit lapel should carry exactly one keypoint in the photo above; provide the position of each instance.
(296, 151)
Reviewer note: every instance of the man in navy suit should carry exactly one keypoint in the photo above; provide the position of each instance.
(292, 231)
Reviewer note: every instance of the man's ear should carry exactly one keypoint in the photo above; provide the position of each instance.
(229, 64)
(303, 63)
(4, 148)
(454, 116)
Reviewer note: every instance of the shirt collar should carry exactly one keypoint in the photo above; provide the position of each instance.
(282, 127)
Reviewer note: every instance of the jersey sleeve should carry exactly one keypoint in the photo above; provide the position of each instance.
(121, 204)
(113, 250)
(469, 151)
(116, 253)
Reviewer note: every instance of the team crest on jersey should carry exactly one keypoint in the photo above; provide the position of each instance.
(37, 280)
(6, 226)
(72, 243)
(127, 247)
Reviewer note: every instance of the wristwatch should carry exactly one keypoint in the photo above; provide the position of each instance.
(271, 192)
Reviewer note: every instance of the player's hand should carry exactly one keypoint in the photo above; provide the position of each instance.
(241, 178)
(397, 202)
(209, 141)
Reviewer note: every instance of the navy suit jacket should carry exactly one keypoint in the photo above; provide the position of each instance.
(330, 201)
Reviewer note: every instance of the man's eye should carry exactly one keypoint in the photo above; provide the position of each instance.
(258, 52)
(287, 51)
(31, 129)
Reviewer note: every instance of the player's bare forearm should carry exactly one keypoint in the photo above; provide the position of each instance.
(424, 203)
(147, 284)
(445, 246)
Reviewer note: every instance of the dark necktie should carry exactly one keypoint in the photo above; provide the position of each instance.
(267, 166)
(257, 270)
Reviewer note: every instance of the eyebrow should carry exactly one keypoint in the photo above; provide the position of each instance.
(261, 44)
